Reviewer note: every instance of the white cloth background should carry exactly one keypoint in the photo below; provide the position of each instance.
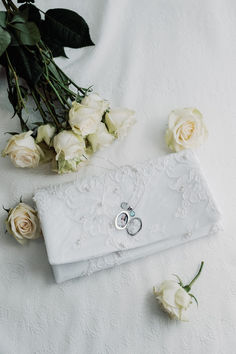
(151, 56)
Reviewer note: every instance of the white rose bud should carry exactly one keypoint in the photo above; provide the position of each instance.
(23, 150)
(119, 121)
(83, 119)
(23, 223)
(186, 129)
(175, 298)
(95, 101)
(101, 138)
(45, 133)
(70, 149)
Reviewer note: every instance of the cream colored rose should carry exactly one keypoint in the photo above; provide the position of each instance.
(95, 101)
(23, 150)
(70, 149)
(186, 129)
(174, 299)
(22, 222)
(101, 138)
(45, 133)
(71, 144)
(119, 121)
(83, 119)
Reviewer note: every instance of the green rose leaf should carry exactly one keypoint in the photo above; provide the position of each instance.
(19, 18)
(51, 41)
(31, 12)
(64, 28)
(57, 50)
(26, 33)
(5, 40)
(25, 65)
(3, 18)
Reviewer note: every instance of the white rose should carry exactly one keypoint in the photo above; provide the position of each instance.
(22, 222)
(45, 133)
(70, 149)
(83, 119)
(95, 101)
(119, 121)
(71, 144)
(101, 138)
(174, 299)
(186, 129)
(23, 150)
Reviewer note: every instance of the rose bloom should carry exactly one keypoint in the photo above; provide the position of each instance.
(119, 121)
(101, 138)
(93, 100)
(70, 149)
(186, 129)
(45, 133)
(83, 119)
(173, 299)
(22, 222)
(23, 150)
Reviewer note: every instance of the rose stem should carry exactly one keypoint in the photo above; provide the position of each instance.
(195, 278)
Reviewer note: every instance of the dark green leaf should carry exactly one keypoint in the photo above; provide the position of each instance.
(26, 33)
(55, 47)
(69, 28)
(3, 60)
(18, 18)
(25, 65)
(14, 40)
(3, 18)
(58, 51)
(51, 41)
(31, 11)
(5, 40)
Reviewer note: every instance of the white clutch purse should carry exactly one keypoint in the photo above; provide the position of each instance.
(130, 212)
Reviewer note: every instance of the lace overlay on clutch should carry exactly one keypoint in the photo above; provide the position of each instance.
(169, 194)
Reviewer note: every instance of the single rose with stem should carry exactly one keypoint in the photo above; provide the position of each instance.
(175, 297)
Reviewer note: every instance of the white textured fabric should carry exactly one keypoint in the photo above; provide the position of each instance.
(169, 194)
(152, 56)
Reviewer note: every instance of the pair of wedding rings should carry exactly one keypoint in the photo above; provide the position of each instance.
(126, 220)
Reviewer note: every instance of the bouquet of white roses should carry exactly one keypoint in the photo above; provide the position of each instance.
(74, 122)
